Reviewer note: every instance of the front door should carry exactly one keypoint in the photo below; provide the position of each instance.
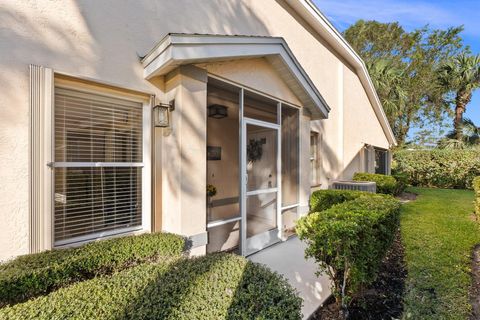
(261, 169)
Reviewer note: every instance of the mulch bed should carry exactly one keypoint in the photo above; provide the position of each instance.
(407, 197)
(383, 299)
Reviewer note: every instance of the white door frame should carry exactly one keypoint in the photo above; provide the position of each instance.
(275, 235)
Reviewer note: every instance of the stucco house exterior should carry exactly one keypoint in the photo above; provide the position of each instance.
(115, 116)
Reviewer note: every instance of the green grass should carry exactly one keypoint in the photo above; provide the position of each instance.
(439, 234)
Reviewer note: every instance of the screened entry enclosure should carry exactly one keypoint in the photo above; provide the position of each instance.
(256, 174)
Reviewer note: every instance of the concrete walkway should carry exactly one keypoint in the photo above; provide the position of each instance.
(288, 258)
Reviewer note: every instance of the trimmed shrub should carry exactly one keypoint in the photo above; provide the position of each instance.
(476, 188)
(385, 184)
(321, 200)
(440, 168)
(216, 286)
(349, 241)
(37, 274)
(402, 182)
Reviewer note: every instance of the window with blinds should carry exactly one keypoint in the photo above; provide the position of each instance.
(381, 161)
(98, 166)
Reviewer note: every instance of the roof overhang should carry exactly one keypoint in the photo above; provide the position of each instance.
(315, 18)
(179, 49)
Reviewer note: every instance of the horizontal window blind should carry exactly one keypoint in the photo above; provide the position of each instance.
(98, 166)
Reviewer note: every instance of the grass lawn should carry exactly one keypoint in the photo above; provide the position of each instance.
(438, 234)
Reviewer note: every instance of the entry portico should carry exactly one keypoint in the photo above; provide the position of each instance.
(258, 197)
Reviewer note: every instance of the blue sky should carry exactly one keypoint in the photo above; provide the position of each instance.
(413, 14)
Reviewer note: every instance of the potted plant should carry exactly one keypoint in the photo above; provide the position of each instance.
(211, 192)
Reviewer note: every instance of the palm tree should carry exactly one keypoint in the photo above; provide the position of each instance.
(462, 75)
(471, 133)
(470, 137)
(387, 80)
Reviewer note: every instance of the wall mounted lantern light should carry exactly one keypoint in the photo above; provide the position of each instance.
(217, 111)
(161, 114)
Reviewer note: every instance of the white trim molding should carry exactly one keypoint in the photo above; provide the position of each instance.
(40, 144)
(317, 20)
(179, 49)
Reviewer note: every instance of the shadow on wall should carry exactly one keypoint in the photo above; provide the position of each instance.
(137, 26)
(33, 35)
(355, 165)
(329, 161)
(331, 167)
(97, 39)
(101, 39)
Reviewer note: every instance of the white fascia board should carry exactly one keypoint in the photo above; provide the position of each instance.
(308, 11)
(178, 49)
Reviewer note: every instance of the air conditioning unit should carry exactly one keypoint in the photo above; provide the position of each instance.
(355, 185)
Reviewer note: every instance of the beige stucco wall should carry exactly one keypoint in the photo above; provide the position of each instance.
(360, 125)
(254, 73)
(103, 40)
(349, 127)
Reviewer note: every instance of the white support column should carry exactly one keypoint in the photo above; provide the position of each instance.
(184, 157)
(304, 164)
(242, 176)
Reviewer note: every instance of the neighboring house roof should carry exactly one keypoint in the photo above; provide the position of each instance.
(308, 11)
(178, 49)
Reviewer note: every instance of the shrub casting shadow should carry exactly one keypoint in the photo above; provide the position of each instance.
(216, 286)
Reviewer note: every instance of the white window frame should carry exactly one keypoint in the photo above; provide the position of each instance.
(315, 159)
(117, 92)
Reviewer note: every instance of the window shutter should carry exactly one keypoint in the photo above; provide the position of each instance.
(369, 159)
(98, 166)
(41, 108)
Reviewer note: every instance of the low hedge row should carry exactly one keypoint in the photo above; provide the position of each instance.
(216, 286)
(349, 240)
(440, 168)
(37, 274)
(321, 200)
(385, 184)
(476, 188)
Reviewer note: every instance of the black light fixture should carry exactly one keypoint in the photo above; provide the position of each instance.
(217, 111)
(161, 114)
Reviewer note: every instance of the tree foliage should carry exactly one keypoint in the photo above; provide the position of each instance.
(403, 66)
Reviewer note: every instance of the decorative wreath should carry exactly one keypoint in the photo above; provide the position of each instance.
(211, 190)
(254, 150)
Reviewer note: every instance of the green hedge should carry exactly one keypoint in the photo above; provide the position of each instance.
(476, 188)
(349, 241)
(385, 184)
(321, 200)
(37, 274)
(216, 286)
(440, 168)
